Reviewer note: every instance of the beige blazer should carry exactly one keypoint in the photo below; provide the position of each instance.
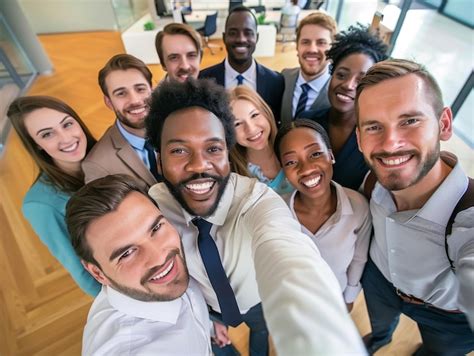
(112, 154)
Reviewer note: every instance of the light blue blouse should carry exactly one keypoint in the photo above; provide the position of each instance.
(44, 206)
(279, 184)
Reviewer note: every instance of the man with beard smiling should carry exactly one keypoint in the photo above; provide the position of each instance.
(240, 68)
(242, 245)
(306, 87)
(126, 84)
(148, 305)
(418, 265)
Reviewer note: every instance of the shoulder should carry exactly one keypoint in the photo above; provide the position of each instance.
(270, 73)
(206, 72)
(104, 145)
(358, 202)
(290, 72)
(45, 194)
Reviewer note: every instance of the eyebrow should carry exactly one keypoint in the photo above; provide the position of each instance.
(400, 117)
(120, 250)
(304, 148)
(50, 128)
(178, 140)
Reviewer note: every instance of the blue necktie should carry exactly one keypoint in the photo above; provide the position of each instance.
(240, 79)
(152, 161)
(220, 283)
(302, 100)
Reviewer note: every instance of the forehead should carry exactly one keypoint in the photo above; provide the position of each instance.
(241, 20)
(194, 123)
(124, 78)
(118, 227)
(177, 43)
(395, 97)
(312, 31)
(301, 136)
(359, 62)
(42, 118)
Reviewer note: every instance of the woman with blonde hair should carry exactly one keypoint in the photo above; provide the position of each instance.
(57, 140)
(255, 129)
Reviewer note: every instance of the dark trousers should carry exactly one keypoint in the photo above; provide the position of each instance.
(258, 343)
(442, 332)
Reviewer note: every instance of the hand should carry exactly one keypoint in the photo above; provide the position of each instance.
(222, 337)
(349, 306)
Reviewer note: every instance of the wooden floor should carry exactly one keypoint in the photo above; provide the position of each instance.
(41, 309)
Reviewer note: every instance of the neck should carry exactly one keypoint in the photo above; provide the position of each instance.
(72, 168)
(415, 196)
(309, 78)
(326, 204)
(134, 131)
(347, 119)
(263, 155)
(240, 67)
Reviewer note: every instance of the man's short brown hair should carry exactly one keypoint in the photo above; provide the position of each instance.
(177, 29)
(91, 202)
(122, 62)
(397, 68)
(318, 18)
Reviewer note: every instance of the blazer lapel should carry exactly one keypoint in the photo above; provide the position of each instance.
(322, 101)
(129, 157)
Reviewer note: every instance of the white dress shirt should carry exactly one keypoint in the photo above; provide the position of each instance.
(250, 76)
(137, 143)
(408, 246)
(315, 88)
(120, 325)
(265, 254)
(343, 240)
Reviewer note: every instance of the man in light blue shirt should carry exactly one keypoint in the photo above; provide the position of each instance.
(126, 83)
(401, 121)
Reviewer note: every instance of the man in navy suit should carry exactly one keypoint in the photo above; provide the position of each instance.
(240, 38)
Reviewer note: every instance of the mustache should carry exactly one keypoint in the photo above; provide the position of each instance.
(200, 176)
(152, 271)
(385, 154)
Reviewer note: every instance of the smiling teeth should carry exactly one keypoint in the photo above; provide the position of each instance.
(200, 188)
(256, 137)
(344, 97)
(137, 111)
(312, 182)
(70, 148)
(396, 161)
(164, 273)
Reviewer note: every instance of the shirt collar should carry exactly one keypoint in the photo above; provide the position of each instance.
(134, 141)
(249, 75)
(157, 311)
(221, 212)
(316, 84)
(447, 195)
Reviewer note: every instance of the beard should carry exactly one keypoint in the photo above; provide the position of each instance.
(126, 122)
(149, 295)
(395, 181)
(176, 191)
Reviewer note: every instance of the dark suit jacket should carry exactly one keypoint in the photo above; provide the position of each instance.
(112, 154)
(270, 84)
(291, 76)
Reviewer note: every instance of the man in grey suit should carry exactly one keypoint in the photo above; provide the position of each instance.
(306, 87)
(126, 84)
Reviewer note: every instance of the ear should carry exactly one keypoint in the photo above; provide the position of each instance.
(96, 272)
(256, 40)
(446, 124)
(108, 103)
(358, 138)
(158, 163)
(333, 160)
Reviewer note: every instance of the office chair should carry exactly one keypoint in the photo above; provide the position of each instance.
(209, 28)
(287, 29)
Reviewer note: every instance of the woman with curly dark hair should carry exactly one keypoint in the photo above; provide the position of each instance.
(353, 52)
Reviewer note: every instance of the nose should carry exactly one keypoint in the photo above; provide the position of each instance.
(241, 37)
(198, 163)
(304, 166)
(154, 254)
(64, 136)
(351, 83)
(249, 127)
(135, 97)
(391, 140)
(184, 63)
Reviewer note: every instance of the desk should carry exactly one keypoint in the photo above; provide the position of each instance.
(141, 43)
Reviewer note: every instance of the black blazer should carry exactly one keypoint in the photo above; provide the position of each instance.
(270, 85)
